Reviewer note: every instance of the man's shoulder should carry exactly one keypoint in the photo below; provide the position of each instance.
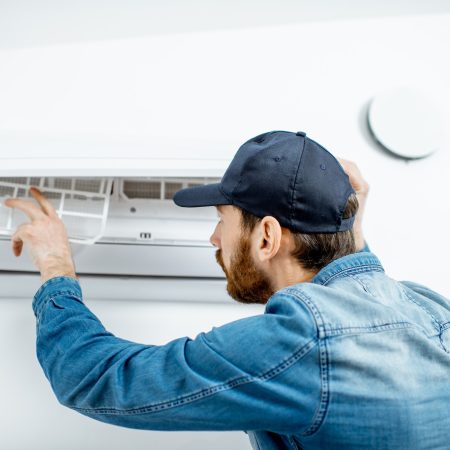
(306, 292)
(344, 301)
(300, 302)
(424, 290)
(427, 298)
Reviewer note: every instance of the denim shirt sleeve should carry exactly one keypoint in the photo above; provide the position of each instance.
(241, 376)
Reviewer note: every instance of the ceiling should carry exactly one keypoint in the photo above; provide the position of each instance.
(31, 23)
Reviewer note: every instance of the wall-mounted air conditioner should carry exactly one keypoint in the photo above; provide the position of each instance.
(116, 202)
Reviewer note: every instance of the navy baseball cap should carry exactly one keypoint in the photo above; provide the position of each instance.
(285, 175)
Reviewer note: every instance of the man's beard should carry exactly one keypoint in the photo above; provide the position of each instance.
(245, 282)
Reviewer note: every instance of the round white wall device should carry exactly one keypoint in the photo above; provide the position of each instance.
(406, 123)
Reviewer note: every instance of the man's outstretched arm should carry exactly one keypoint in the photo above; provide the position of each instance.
(240, 376)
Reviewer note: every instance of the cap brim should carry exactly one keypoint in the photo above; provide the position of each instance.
(205, 195)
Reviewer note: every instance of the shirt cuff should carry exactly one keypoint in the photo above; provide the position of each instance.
(53, 287)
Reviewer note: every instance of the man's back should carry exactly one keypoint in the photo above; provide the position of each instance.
(383, 352)
(350, 360)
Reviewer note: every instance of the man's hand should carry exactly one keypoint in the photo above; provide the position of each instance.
(45, 236)
(361, 188)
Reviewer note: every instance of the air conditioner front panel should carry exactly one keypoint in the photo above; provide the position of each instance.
(129, 259)
(149, 260)
(57, 155)
(97, 287)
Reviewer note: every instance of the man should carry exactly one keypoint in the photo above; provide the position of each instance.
(343, 357)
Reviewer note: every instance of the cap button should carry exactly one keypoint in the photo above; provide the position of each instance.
(301, 133)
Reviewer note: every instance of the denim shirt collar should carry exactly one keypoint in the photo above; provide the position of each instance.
(347, 265)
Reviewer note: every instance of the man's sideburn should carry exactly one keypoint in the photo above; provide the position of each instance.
(246, 283)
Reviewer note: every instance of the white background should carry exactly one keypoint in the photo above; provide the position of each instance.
(241, 75)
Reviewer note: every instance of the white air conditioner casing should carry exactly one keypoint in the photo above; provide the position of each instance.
(117, 207)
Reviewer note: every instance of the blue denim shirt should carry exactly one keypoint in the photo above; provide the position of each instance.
(352, 359)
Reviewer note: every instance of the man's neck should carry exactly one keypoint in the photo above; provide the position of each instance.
(289, 273)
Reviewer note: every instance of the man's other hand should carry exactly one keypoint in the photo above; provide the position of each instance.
(45, 236)
(361, 188)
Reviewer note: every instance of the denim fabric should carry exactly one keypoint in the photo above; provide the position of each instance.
(351, 360)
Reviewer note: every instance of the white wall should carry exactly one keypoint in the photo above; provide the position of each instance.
(231, 85)
(32, 418)
(315, 77)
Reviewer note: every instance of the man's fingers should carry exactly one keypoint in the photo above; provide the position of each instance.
(357, 181)
(17, 238)
(349, 166)
(17, 245)
(30, 209)
(27, 207)
(43, 201)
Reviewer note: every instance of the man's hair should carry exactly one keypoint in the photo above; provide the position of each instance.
(316, 250)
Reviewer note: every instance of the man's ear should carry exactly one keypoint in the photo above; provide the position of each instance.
(268, 238)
